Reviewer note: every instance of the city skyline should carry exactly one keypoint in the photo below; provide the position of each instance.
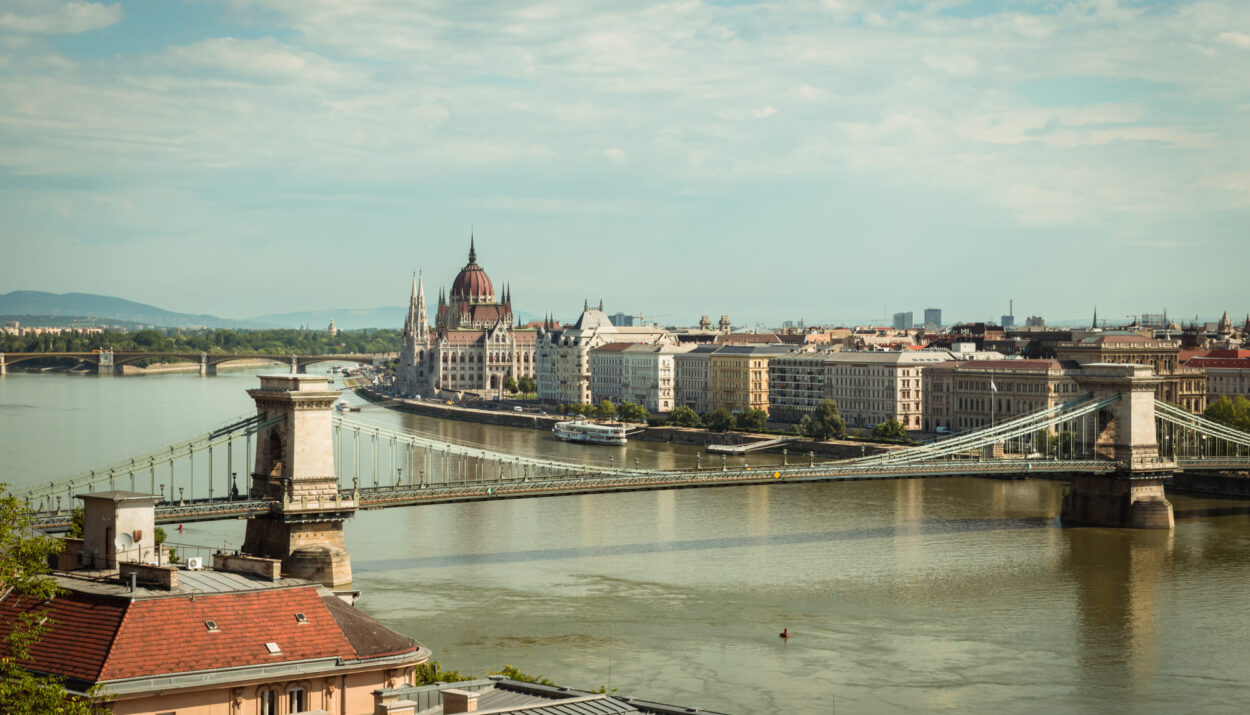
(772, 161)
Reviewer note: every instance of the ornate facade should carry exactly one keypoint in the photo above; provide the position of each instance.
(473, 346)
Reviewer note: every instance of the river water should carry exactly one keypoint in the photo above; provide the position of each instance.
(928, 595)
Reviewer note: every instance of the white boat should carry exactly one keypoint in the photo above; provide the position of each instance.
(345, 406)
(589, 432)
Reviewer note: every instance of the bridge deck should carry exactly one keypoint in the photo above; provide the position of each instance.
(641, 480)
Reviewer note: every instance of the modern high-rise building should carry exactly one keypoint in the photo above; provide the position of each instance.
(903, 321)
(932, 318)
(621, 320)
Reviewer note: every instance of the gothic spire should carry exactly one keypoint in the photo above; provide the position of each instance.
(1095, 323)
(472, 250)
(585, 305)
(601, 305)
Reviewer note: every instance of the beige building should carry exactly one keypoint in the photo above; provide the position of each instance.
(562, 355)
(970, 394)
(873, 387)
(1227, 372)
(693, 379)
(1182, 386)
(641, 374)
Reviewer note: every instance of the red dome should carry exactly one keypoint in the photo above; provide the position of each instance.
(473, 285)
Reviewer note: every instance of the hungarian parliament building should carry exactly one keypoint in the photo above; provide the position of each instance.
(474, 345)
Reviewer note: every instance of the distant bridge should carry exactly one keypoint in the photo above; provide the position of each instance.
(106, 362)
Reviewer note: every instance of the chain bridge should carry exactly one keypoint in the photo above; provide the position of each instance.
(309, 468)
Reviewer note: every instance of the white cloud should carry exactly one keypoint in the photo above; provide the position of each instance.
(1236, 39)
(264, 58)
(957, 65)
(57, 18)
(615, 155)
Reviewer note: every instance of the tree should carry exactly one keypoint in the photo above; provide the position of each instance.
(605, 410)
(683, 416)
(825, 422)
(891, 429)
(26, 588)
(629, 412)
(719, 420)
(510, 384)
(514, 674)
(528, 385)
(752, 419)
(1234, 412)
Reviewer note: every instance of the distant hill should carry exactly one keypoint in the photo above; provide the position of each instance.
(38, 307)
(354, 318)
(106, 308)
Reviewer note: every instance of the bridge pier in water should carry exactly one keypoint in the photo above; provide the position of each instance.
(295, 468)
(4, 367)
(105, 366)
(207, 368)
(1133, 496)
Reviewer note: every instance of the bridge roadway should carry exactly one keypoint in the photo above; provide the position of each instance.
(381, 497)
(121, 357)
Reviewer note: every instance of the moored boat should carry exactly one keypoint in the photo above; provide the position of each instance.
(588, 432)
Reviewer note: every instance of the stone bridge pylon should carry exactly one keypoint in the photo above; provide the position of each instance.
(1124, 431)
(295, 468)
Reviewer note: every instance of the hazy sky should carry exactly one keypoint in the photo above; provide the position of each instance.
(832, 161)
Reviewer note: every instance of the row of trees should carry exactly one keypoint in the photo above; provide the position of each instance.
(524, 385)
(268, 342)
(605, 410)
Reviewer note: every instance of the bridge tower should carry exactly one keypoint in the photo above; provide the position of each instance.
(1133, 495)
(295, 468)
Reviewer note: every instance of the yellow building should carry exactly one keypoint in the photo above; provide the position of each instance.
(738, 377)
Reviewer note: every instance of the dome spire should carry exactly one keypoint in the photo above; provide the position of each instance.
(472, 250)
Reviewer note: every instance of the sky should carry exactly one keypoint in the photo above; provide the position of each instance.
(831, 161)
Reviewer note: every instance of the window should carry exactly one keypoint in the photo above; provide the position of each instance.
(295, 700)
(268, 701)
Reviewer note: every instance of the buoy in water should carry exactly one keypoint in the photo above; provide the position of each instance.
(785, 633)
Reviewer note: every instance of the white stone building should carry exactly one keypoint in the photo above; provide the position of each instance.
(562, 355)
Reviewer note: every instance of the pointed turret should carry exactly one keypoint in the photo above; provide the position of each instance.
(419, 312)
(601, 305)
(585, 305)
(472, 249)
(1095, 323)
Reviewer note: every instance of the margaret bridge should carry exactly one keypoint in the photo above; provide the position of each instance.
(311, 468)
(108, 362)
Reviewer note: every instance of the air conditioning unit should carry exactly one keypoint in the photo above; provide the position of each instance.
(195, 563)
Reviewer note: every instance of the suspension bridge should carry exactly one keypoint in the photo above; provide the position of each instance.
(309, 468)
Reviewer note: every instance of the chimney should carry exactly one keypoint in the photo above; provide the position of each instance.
(458, 701)
(118, 526)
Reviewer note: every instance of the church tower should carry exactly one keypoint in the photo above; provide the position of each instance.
(416, 340)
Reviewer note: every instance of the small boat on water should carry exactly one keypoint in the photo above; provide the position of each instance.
(345, 406)
(587, 432)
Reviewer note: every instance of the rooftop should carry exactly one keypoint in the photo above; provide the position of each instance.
(502, 696)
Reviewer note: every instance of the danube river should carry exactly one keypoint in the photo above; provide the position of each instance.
(939, 595)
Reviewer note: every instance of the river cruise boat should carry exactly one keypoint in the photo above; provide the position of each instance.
(590, 432)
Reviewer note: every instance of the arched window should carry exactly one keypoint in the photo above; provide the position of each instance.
(268, 699)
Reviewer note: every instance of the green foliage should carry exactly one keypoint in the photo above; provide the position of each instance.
(267, 342)
(891, 429)
(605, 410)
(159, 535)
(514, 674)
(24, 585)
(1234, 412)
(719, 420)
(77, 522)
(431, 672)
(752, 420)
(629, 412)
(825, 422)
(510, 384)
(683, 416)
(528, 385)
(562, 408)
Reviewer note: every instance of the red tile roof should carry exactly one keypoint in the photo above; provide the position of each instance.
(246, 622)
(78, 643)
(97, 638)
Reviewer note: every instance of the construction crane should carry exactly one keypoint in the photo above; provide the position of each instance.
(642, 319)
